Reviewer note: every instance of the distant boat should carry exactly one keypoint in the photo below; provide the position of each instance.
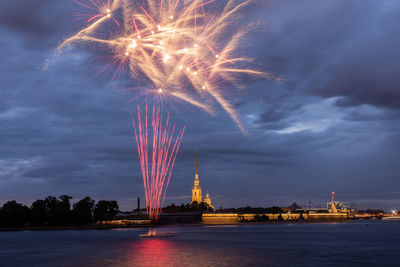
(154, 234)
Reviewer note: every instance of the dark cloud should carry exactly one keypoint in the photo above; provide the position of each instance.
(60, 169)
(339, 48)
(27, 17)
(40, 24)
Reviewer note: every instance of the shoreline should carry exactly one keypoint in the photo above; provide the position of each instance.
(146, 226)
(61, 228)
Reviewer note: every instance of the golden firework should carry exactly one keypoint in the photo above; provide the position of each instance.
(177, 47)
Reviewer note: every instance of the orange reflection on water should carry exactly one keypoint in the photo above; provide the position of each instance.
(155, 252)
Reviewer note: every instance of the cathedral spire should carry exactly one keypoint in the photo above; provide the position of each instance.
(197, 171)
(196, 177)
(196, 191)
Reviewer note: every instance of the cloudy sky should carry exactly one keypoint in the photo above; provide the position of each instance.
(332, 123)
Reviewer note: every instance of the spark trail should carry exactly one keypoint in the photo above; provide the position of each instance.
(157, 154)
(186, 48)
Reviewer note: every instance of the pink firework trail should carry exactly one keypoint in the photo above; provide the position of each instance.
(157, 156)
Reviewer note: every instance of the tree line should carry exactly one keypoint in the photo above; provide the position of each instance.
(204, 207)
(53, 211)
(189, 207)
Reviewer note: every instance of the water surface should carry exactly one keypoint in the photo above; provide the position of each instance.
(309, 244)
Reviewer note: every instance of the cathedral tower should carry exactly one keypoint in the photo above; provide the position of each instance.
(196, 191)
(207, 200)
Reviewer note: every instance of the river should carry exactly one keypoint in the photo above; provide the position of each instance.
(367, 243)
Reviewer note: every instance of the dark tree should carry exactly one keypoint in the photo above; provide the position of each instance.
(105, 210)
(63, 212)
(189, 207)
(38, 213)
(205, 207)
(274, 210)
(194, 206)
(14, 214)
(83, 211)
(294, 207)
(171, 209)
(185, 207)
(57, 211)
(51, 207)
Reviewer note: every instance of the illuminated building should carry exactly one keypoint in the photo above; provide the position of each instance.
(337, 206)
(207, 200)
(333, 207)
(196, 190)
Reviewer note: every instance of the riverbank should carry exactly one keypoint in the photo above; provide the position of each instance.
(145, 226)
(205, 220)
(83, 227)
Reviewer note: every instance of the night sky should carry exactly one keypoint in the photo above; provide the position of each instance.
(332, 123)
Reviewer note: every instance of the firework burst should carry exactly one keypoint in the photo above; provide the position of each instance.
(175, 47)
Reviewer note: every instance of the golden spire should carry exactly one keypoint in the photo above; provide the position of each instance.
(196, 177)
(197, 171)
(333, 207)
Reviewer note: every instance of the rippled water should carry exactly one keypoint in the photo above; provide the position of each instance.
(341, 244)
